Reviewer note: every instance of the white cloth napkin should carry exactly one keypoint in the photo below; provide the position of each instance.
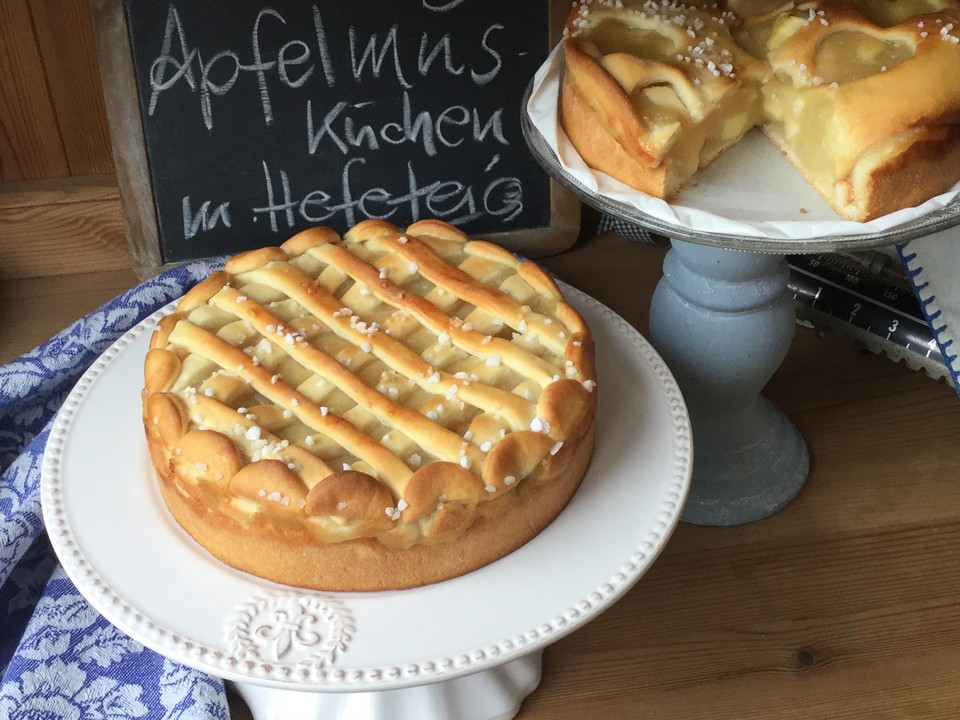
(933, 266)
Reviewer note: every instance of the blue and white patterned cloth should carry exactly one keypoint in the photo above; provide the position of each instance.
(628, 230)
(59, 658)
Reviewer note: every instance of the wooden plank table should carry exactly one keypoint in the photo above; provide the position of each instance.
(844, 605)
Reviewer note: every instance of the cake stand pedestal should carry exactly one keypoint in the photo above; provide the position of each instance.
(468, 648)
(723, 321)
(493, 694)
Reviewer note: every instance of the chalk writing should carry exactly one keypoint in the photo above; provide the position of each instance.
(203, 219)
(442, 7)
(299, 114)
(449, 200)
(376, 63)
(175, 64)
(450, 128)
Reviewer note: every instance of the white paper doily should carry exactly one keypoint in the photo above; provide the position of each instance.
(130, 559)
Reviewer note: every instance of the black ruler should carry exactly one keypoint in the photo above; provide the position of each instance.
(865, 295)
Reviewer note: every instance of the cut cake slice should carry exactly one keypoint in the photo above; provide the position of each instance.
(654, 91)
(870, 115)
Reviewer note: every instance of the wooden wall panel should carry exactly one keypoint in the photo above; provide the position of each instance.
(61, 227)
(64, 33)
(30, 143)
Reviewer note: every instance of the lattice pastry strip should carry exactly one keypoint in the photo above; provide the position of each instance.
(365, 336)
(436, 320)
(394, 387)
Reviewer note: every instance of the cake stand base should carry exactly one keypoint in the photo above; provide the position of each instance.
(493, 694)
(723, 322)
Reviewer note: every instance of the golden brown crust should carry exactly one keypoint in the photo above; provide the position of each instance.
(882, 160)
(287, 554)
(392, 399)
(925, 169)
(600, 150)
(608, 102)
(876, 161)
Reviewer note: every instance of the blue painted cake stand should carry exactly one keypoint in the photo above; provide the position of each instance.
(723, 321)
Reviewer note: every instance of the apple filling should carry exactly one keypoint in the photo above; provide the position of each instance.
(847, 55)
(799, 119)
(615, 36)
(894, 12)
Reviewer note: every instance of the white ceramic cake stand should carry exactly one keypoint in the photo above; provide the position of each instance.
(467, 648)
(723, 319)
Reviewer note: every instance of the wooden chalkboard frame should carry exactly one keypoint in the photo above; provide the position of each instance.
(133, 167)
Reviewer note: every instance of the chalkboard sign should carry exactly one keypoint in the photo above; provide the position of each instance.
(236, 124)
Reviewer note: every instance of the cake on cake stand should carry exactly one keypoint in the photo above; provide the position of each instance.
(464, 649)
(721, 316)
